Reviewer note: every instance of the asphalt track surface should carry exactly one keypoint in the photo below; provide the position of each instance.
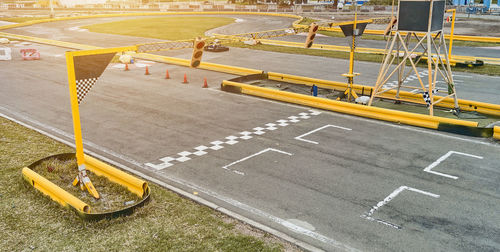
(335, 181)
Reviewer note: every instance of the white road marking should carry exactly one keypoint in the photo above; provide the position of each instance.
(374, 121)
(226, 167)
(231, 140)
(292, 227)
(441, 159)
(318, 129)
(391, 196)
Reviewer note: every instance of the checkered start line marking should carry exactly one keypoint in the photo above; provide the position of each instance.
(229, 140)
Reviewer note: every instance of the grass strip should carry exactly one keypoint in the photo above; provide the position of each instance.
(168, 222)
(493, 70)
(166, 28)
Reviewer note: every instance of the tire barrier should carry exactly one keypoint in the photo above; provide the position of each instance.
(82, 209)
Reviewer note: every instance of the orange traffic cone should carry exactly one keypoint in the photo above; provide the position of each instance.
(205, 84)
(167, 75)
(147, 71)
(185, 79)
(126, 67)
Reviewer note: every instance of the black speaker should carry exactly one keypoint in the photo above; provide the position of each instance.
(413, 15)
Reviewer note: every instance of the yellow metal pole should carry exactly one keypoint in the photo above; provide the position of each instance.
(351, 54)
(453, 11)
(429, 61)
(80, 159)
(74, 108)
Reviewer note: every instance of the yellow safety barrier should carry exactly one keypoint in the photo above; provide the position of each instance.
(204, 65)
(229, 69)
(48, 41)
(53, 191)
(496, 132)
(456, 58)
(455, 37)
(466, 105)
(133, 184)
(419, 120)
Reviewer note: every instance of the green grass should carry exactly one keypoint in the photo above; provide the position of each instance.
(486, 69)
(167, 28)
(23, 19)
(31, 221)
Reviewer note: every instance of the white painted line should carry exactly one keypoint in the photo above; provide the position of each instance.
(318, 129)
(444, 157)
(231, 140)
(226, 167)
(230, 201)
(391, 196)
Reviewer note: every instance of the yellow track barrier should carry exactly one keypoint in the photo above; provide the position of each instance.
(48, 41)
(133, 184)
(466, 105)
(455, 37)
(496, 132)
(455, 58)
(419, 120)
(204, 65)
(53, 191)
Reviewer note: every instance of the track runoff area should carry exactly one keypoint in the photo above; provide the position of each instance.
(322, 178)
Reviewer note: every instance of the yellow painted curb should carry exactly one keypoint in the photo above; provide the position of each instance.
(419, 120)
(53, 191)
(133, 184)
(496, 132)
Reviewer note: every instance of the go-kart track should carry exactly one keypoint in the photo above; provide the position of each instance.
(320, 179)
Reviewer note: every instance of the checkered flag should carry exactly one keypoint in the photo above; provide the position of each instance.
(83, 86)
(427, 97)
(88, 69)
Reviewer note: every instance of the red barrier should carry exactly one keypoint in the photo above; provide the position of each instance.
(30, 54)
